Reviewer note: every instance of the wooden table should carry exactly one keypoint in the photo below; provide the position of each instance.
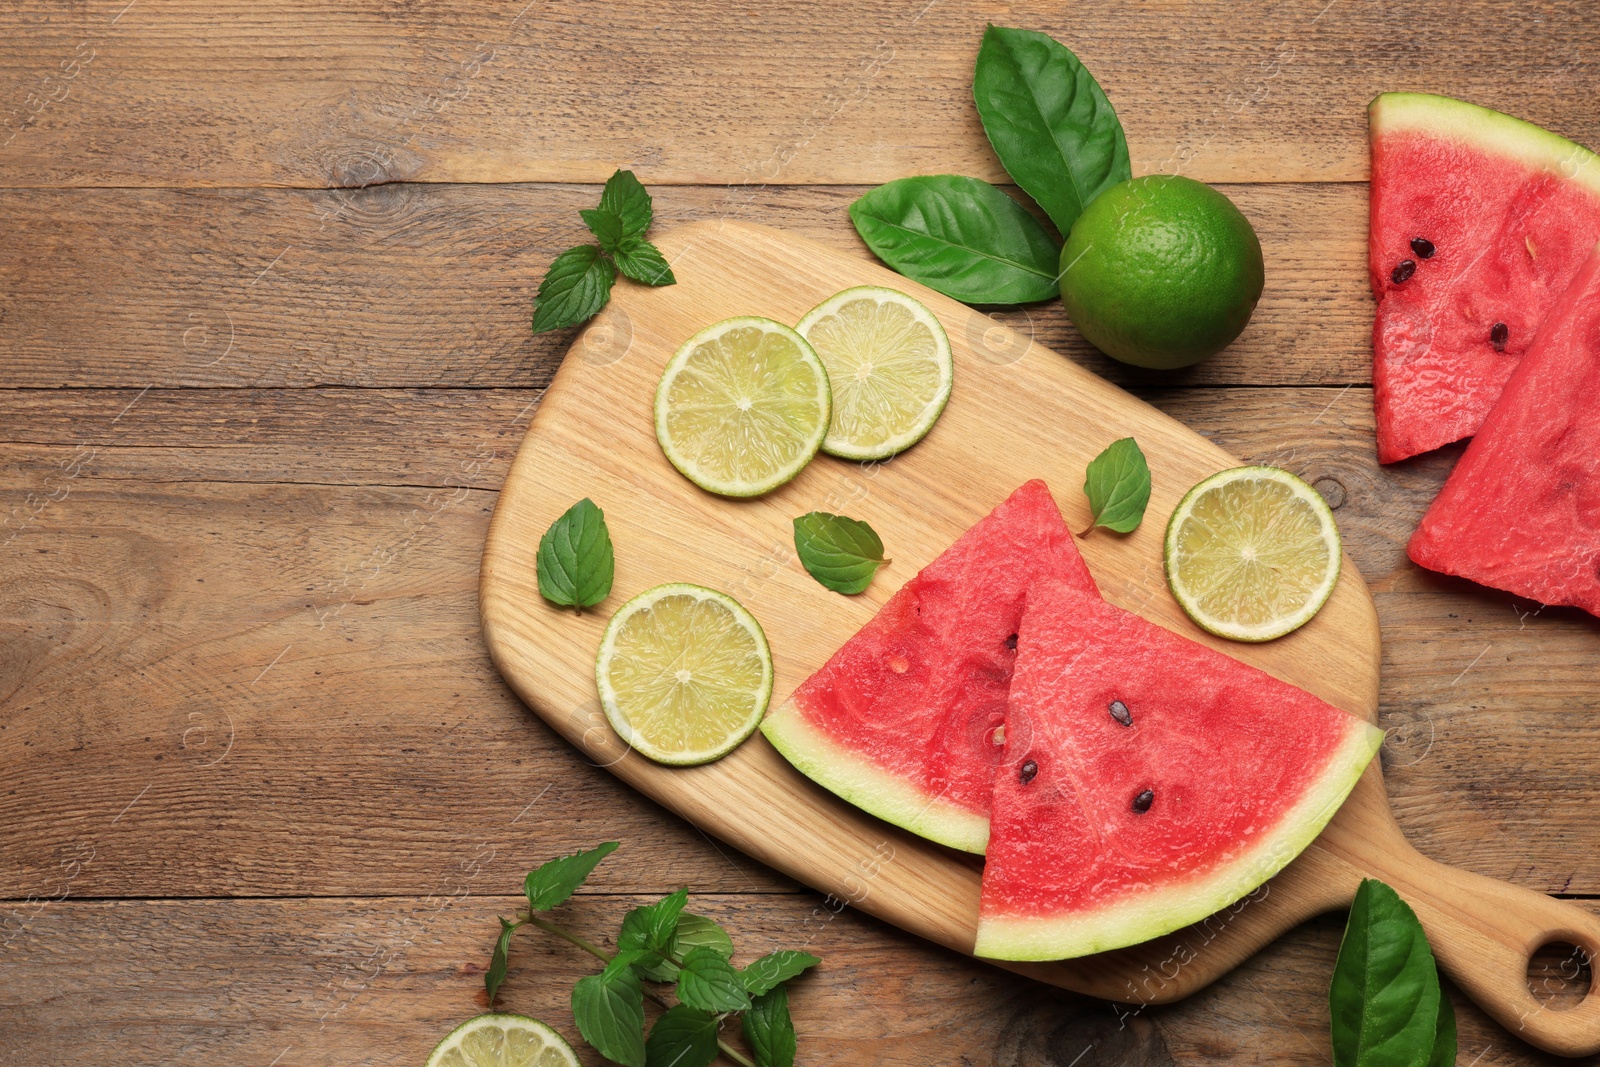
(265, 276)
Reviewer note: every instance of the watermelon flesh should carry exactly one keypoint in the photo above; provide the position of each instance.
(1521, 510)
(902, 720)
(1478, 223)
(1148, 781)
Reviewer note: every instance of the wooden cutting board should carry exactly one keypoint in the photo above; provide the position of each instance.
(1018, 411)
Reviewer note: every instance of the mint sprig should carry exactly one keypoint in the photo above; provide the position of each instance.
(839, 552)
(661, 942)
(579, 280)
(1117, 482)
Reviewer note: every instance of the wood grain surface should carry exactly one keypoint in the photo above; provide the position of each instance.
(277, 542)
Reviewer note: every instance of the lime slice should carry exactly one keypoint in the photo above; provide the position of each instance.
(684, 674)
(889, 365)
(1252, 553)
(500, 1039)
(742, 407)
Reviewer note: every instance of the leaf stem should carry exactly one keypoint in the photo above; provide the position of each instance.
(599, 953)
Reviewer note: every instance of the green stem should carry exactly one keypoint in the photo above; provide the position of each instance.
(599, 953)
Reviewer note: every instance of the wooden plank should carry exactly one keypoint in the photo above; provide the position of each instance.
(408, 285)
(300, 94)
(379, 981)
(135, 568)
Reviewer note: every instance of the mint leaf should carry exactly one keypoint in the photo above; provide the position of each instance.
(683, 1037)
(496, 974)
(575, 287)
(960, 236)
(643, 262)
(706, 980)
(769, 1030)
(697, 931)
(575, 561)
(557, 880)
(651, 929)
(1049, 122)
(609, 1010)
(1117, 482)
(606, 225)
(840, 552)
(1385, 994)
(624, 197)
(773, 969)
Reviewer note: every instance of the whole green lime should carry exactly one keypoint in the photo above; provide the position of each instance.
(1161, 271)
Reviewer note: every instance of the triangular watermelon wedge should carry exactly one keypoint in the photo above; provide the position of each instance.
(901, 721)
(1521, 510)
(1148, 781)
(1478, 222)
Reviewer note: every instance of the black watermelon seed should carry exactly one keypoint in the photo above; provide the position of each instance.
(1422, 247)
(1011, 642)
(1029, 770)
(1142, 802)
(1497, 336)
(1404, 271)
(1120, 712)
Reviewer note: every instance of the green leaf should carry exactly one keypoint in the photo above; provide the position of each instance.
(769, 1030)
(706, 980)
(652, 929)
(1444, 1039)
(775, 968)
(840, 552)
(609, 1010)
(697, 931)
(1117, 483)
(1049, 122)
(643, 262)
(683, 1037)
(626, 198)
(960, 236)
(496, 974)
(575, 561)
(557, 880)
(576, 286)
(606, 225)
(1385, 995)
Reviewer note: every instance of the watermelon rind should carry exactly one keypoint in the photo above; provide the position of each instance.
(1487, 130)
(1150, 913)
(867, 786)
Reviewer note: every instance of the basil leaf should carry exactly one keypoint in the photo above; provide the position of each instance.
(652, 928)
(960, 236)
(769, 1030)
(557, 880)
(575, 561)
(1384, 997)
(576, 286)
(1049, 122)
(495, 976)
(606, 225)
(775, 968)
(840, 552)
(1444, 1035)
(706, 980)
(626, 198)
(697, 931)
(1117, 483)
(683, 1037)
(643, 262)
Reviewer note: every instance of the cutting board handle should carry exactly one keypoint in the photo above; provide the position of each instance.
(1483, 932)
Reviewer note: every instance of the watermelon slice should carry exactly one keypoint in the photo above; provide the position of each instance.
(1521, 511)
(1148, 781)
(1479, 221)
(902, 720)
